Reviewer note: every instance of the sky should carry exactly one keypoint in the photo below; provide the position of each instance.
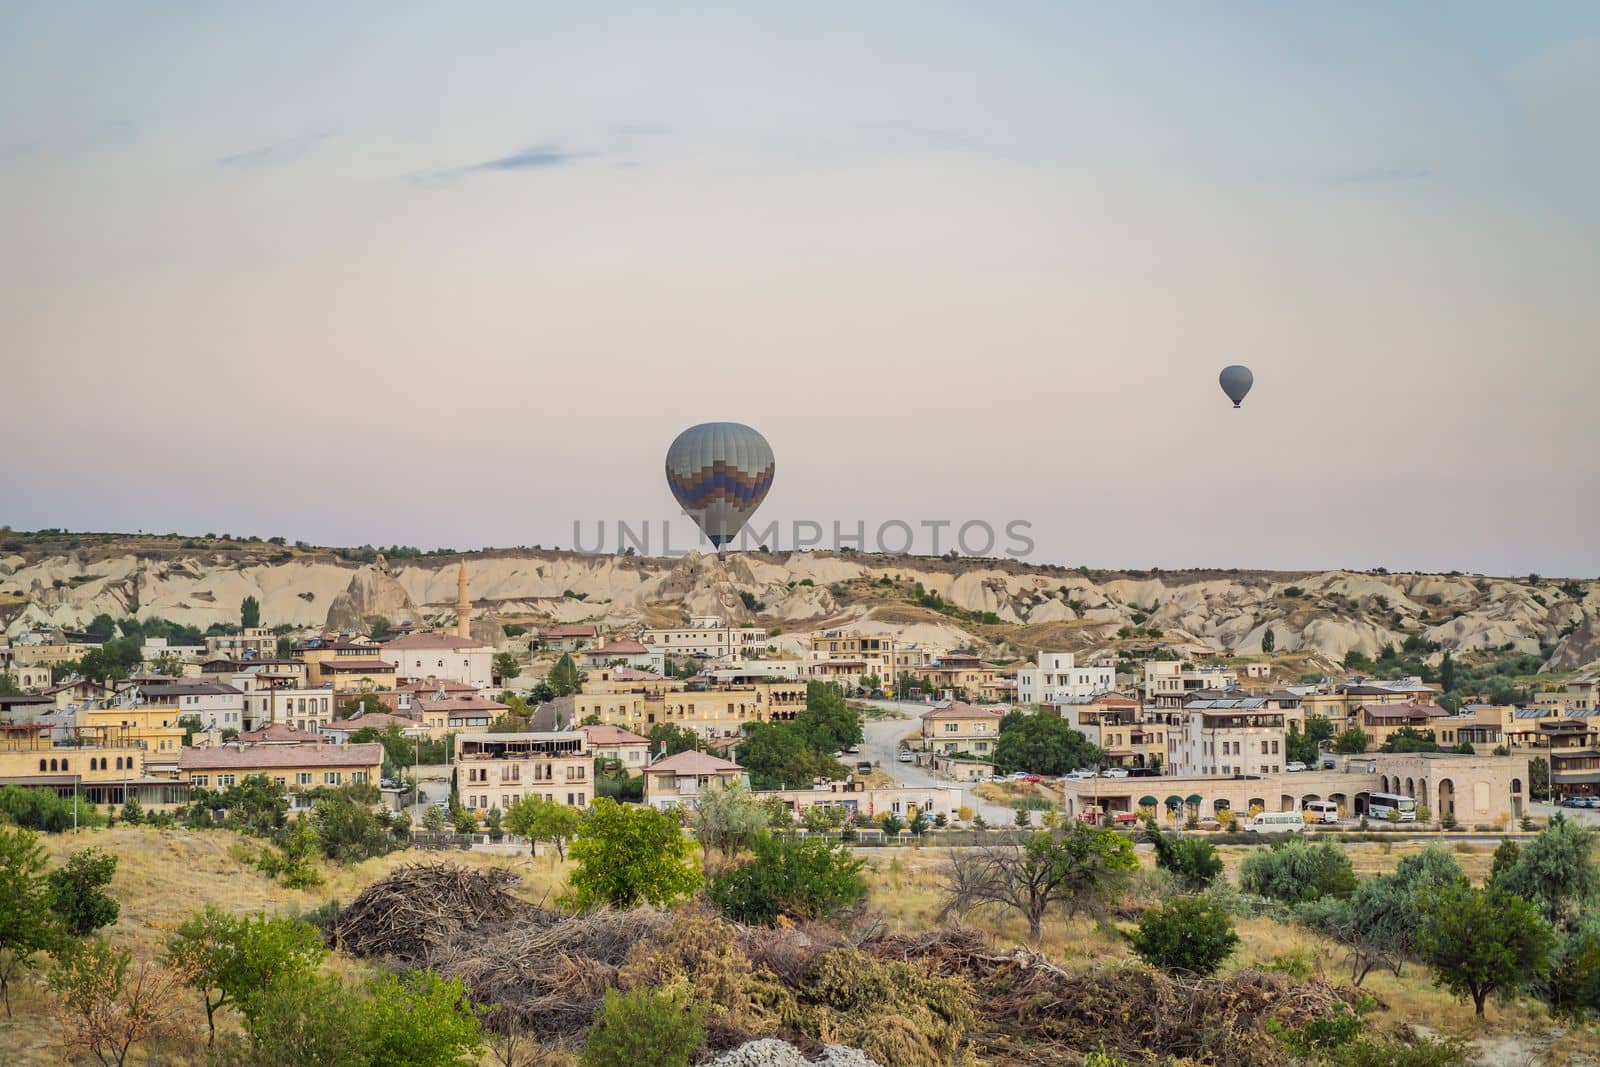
(457, 274)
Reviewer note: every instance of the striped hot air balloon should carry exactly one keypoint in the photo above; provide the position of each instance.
(720, 472)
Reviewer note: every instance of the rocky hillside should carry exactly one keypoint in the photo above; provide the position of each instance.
(1000, 606)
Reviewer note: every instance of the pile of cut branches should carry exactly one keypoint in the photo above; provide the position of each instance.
(415, 910)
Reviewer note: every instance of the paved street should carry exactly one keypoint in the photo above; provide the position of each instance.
(882, 742)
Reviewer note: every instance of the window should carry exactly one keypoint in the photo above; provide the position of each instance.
(303, 778)
(224, 781)
(200, 779)
(358, 776)
(570, 802)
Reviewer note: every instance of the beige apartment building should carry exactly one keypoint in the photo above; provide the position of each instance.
(846, 656)
(297, 768)
(101, 765)
(712, 713)
(1130, 735)
(707, 636)
(1171, 683)
(253, 642)
(493, 770)
(961, 727)
(1379, 721)
(1227, 736)
(677, 781)
(1341, 704)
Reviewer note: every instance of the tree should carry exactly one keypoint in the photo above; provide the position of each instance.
(312, 1019)
(565, 678)
(75, 892)
(421, 1020)
(822, 818)
(1410, 739)
(670, 739)
(1555, 872)
(1042, 744)
(1351, 741)
(1193, 863)
(660, 1027)
(778, 755)
(107, 1004)
(1269, 640)
(1539, 778)
(1482, 941)
(799, 879)
(231, 959)
(1076, 869)
(494, 824)
(434, 819)
(294, 860)
(27, 923)
(627, 856)
(1573, 986)
(891, 824)
(8, 685)
(506, 666)
(1185, 935)
(250, 612)
(538, 819)
(1378, 923)
(1296, 871)
(346, 828)
(1447, 676)
(827, 724)
(285, 648)
(728, 819)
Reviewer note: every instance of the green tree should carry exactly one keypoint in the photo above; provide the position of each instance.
(1076, 869)
(661, 1027)
(285, 648)
(670, 739)
(1193, 862)
(1269, 640)
(229, 960)
(808, 879)
(422, 1020)
(1573, 986)
(565, 678)
(891, 824)
(1539, 778)
(1447, 675)
(346, 829)
(1482, 941)
(77, 892)
(494, 824)
(828, 724)
(294, 860)
(250, 612)
(506, 666)
(1410, 739)
(27, 921)
(434, 819)
(778, 755)
(628, 856)
(1378, 923)
(1351, 741)
(538, 819)
(1555, 872)
(822, 818)
(310, 1019)
(1042, 744)
(8, 685)
(727, 818)
(1185, 935)
(1295, 871)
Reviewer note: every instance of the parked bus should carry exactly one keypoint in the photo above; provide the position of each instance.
(1379, 805)
(1277, 822)
(1322, 811)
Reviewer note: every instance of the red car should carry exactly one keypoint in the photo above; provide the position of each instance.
(1032, 778)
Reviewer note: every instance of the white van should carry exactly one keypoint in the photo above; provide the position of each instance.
(1322, 811)
(1276, 822)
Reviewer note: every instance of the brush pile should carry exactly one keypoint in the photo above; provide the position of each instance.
(928, 999)
(416, 909)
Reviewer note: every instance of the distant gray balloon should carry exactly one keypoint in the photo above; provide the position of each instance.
(1236, 382)
(720, 472)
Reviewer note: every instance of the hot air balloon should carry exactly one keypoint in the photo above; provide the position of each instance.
(720, 472)
(1236, 382)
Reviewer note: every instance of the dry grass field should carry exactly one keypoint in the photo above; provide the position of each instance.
(163, 876)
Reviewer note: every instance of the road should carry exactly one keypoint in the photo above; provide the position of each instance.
(882, 742)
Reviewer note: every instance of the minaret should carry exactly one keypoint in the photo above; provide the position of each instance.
(463, 605)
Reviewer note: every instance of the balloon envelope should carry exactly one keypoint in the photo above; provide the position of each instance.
(720, 472)
(1236, 382)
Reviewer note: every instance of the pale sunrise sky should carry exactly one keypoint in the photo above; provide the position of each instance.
(458, 274)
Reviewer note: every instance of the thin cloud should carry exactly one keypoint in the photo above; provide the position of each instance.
(272, 154)
(1380, 175)
(536, 157)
